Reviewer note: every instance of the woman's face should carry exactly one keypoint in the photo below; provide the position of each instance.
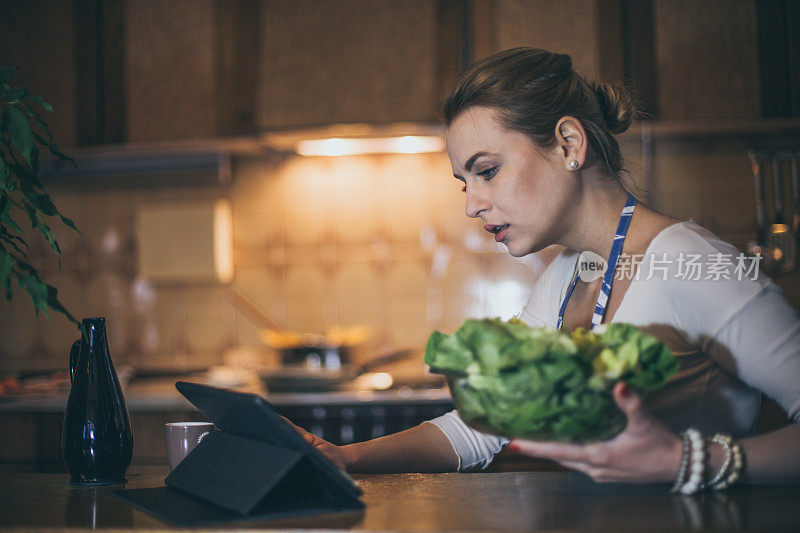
(520, 192)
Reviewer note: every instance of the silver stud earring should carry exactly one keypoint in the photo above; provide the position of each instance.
(573, 164)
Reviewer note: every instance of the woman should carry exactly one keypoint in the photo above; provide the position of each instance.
(531, 142)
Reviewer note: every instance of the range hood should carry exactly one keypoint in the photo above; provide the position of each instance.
(209, 160)
(162, 163)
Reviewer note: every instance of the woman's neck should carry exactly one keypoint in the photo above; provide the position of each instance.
(598, 211)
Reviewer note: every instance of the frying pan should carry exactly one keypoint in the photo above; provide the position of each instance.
(310, 364)
(308, 349)
(302, 378)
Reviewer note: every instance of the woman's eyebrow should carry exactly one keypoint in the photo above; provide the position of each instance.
(471, 160)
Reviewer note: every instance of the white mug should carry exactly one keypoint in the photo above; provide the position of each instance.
(182, 437)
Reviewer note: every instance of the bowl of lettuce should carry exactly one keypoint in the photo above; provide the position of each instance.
(509, 379)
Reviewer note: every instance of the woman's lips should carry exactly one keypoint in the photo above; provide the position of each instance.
(498, 230)
(500, 235)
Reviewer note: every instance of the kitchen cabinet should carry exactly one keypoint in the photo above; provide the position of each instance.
(707, 59)
(347, 61)
(677, 55)
(170, 69)
(155, 70)
(590, 31)
(28, 36)
(206, 68)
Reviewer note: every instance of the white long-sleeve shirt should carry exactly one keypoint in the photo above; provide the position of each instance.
(734, 338)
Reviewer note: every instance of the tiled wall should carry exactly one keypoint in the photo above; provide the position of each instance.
(374, 240)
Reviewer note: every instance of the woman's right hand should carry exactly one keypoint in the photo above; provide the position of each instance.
(335, 454)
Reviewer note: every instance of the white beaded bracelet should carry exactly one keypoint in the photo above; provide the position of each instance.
(684, 467)
(692, 463)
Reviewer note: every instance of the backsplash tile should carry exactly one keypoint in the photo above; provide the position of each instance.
(380, 241)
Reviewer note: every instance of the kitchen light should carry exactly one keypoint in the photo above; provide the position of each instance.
(358, 138)
(408, 144)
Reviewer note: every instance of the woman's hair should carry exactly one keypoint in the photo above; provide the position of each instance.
(533, 89)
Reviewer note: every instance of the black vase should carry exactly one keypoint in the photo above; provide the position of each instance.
(97, 440)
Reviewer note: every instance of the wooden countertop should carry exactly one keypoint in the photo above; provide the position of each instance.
(513, 501)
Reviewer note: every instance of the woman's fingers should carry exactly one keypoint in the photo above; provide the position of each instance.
(294, 426)
(555, 451)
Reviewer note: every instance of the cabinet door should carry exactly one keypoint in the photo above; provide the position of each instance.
(707, 57)
(39, 39)
(588, 30)
(347, 61)
(170, 69)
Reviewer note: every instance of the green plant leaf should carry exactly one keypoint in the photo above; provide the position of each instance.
(24, 266)
(26, 179)
(36, 289)
(5, 176)
(10, 239)
(44, 229)
(41, 201)
(69, 223)
(56, 152)
(39, 122)
(5, 215)
(45, 105)
(15, 93)
(6, 73)
(6, 267)
(35, 159)
(55, 305)
(20, 130)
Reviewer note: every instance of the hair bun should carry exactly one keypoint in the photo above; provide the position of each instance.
(617, 105)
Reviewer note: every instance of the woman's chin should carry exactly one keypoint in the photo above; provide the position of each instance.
(519, 250)
(516, 251)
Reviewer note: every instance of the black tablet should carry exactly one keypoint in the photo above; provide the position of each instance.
(252, 417)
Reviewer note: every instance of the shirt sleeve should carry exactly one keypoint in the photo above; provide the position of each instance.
(475, 450)
(761, 345)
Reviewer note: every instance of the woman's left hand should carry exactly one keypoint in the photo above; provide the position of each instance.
(646, 451)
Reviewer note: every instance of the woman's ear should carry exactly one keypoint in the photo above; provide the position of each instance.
(572, 142)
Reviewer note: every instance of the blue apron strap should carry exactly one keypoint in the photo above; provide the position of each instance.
(608, 278)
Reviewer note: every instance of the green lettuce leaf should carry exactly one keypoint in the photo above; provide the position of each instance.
(510, 379)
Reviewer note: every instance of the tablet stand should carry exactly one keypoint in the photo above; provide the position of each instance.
(254, 466)
(249, 477)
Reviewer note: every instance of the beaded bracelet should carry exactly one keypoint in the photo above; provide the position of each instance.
(692, 463)
(724, 441)
(697, 462)
(732, 470)
(686, 446)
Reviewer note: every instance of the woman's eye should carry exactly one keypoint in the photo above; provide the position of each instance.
(488, 173)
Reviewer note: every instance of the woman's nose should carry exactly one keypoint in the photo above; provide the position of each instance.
(475, 203)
